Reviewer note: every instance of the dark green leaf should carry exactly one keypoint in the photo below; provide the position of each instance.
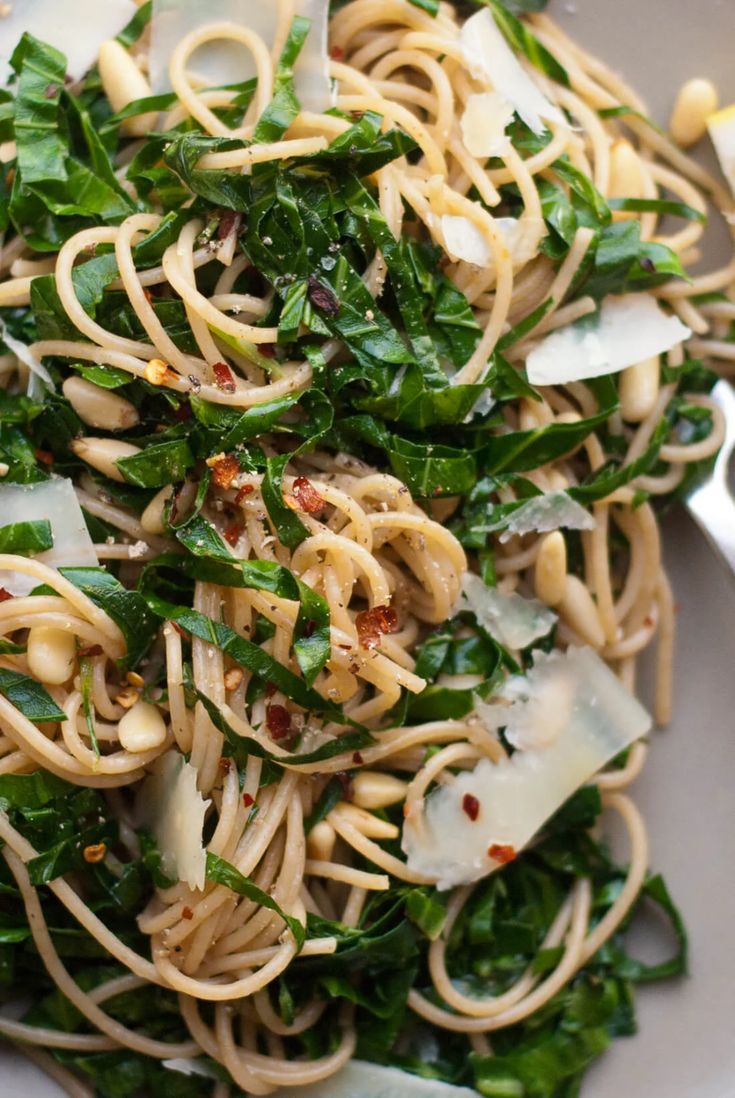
(26, 538)
(126, 608)
(223, 873)
(29, 697)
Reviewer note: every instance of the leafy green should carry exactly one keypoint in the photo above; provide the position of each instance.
(284, 106)
(26, 537)
(290, 530)
(29, 697)
(524, 41)
(126, 608)
(156, 466)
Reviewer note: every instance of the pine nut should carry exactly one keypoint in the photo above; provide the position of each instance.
(372, 789)
(550, 575)
(152, 518)
(123, 83)
(369, 825)
(579, 610)
(157, 372)
(320, 841)
(99, 407)
(697, 99)
(626, 176)
(638, 390)
(51, 654)
(142, 728)
(103, 453)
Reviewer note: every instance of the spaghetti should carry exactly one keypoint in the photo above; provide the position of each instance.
(198, 326)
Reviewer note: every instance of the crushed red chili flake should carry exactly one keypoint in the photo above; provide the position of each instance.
(224, 379)
(278, 721)
(95, 853)
(337, 53)
(648, 621)
(224, 470)
(225, 765)
(308, 630)
(232, 531)
(322, 296)
(502, 852)
(267, 350)
(5, 595)
(357, 759)
(175, 625)
(148, 295)
(247, 800)
(471, 806)
(228, 223)
(270, 689)
(45, 456)
(242, 493)
(372, 624)
(187, 913)
(307, 498)
(89, 651)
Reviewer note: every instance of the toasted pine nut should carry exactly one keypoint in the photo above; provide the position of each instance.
(157, 372)
(372, 789)
(123, 83)
(233, 678)
(626, 177)
(697, 99)
(580, 612)
(369, 825)
(320, 841)
(99, 407)
(51, 654)
(550, 575)
(103, 453)
(142, 728)
(152, 518)
(638, 391)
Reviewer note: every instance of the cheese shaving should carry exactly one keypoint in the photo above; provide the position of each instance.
(484, 122)
(551, 511)
(492, 62)
(625, 331)
(359, 1079)
(463, 239)
(175, 810)
(571, 716)
(510, 619)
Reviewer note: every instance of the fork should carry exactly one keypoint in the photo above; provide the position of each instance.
(712, 504)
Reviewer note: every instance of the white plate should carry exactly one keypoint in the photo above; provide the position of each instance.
(685, 1047)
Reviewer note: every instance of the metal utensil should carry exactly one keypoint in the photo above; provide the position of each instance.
(712, 504)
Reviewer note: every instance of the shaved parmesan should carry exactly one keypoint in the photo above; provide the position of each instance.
(175, 810)
(56, 501)
(362, 1080)
(721, 126)
(189, 1067)
(223, 62)
(511, 620)
(23, 353)
(575, 716)
(484, 122)
(625, 331)
(79, 38)
(491, 61)
(551, 511)
(464, 240)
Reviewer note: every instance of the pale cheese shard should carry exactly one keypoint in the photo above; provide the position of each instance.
(465, 241)
(24, 354)
(484, 122)
(492, 62)
(223, 62)
(56, 501)
(78, 38)
(550, 511)
(574, 707)
(510, 619)
(625, 331)
(721, 127)
(362, 1080)
(175, 810)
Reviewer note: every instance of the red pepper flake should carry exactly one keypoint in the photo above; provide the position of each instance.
(337, 53)
(322, 296)
(357, 759)
(242, 493)
(270, 689)
(45, 456)
(247, 800)
(278, 721)
(225, 468)
(148, 295)
(372, 624)
(89, 651)
(5, 595)
(308, 630)
(228, 223)
(232, 532)
(648, 621)
(502, 852)
(224, 378)
(267, 350)
(175, 625)
(95, 853)
(187, 913)
(306, 496)
(225, 765)
(471, 806)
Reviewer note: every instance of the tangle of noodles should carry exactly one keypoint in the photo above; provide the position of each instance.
(373, 551)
